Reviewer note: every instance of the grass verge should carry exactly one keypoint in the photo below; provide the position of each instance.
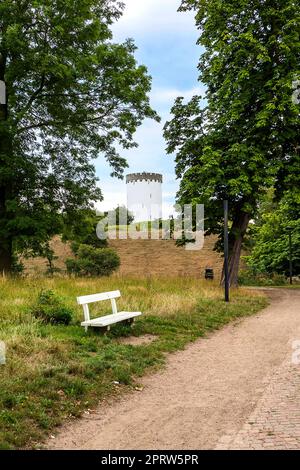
(56, 372)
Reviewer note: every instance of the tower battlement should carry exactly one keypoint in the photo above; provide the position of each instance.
(135, 177)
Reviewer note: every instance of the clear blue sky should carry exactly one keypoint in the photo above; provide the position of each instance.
(166, 42)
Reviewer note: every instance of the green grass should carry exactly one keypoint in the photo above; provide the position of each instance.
(55, 372)
(246, 278)
(288, 286)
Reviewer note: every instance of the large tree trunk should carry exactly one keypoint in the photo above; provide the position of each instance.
(6, 255)
(236, 237)
(6, 259)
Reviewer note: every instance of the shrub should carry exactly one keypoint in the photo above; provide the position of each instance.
(93, 261)
(248, 278)
(270, 251)
(51, 309)
(72, 266)
(17, 267)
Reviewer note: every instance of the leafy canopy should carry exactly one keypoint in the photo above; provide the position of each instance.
(244, 137)
(82, 231)
(270, 237)
(72, 95)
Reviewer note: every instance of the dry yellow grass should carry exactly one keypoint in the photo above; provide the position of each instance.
(143, 257)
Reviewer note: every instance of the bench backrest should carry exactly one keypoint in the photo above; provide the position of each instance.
(88, 299)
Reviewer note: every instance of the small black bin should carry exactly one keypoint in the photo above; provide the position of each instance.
(209, 273)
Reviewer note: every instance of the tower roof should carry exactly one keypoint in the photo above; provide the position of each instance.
(134, 177)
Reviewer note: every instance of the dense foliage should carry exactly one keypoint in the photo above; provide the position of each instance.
(92, 261)
(244, 137)
(72, 95)
(270, 252)
(82, 231)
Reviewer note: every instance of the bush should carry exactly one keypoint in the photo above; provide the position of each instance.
(51, 309)
(17, 267)
(270, 251)
(249, 278)
(72, 266)
(93, 261)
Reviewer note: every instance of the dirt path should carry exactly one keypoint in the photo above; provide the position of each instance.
(207, 391)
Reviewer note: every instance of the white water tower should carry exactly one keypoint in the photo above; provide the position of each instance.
(144, 195)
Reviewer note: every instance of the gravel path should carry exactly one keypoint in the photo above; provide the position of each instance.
(206, 395)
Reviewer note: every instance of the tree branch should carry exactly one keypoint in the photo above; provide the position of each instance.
(32, 98)
(52, 122)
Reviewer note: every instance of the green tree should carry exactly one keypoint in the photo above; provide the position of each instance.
(270, 237)
(245, 138)
(72, 95)
(82, 230)
(123, 214)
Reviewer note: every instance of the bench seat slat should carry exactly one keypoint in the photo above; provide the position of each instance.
(110, 319)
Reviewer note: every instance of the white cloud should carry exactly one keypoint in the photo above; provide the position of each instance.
(112, 199)
(167, 210)
(167, 96)
(151, 154)
(168, 194)
(158, 15)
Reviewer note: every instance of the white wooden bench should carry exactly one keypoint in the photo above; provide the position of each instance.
(107, 320)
